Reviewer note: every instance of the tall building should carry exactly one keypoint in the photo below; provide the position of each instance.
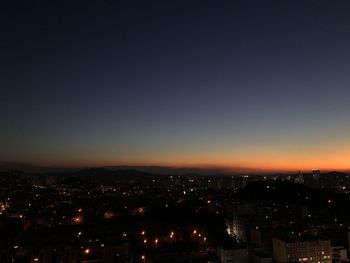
(313, 180)
(316, 174)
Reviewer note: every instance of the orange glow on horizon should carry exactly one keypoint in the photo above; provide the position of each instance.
(249, 161)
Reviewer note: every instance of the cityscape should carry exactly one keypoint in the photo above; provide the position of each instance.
(177, 131)
(103, 215)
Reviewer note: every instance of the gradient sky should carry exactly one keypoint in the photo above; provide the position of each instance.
(259, 84)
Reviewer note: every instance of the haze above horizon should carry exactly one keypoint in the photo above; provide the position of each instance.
(259, 85)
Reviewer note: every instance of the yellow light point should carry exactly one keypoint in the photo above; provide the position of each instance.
(143, 232)
(80, 210)
(199, 234)
(145, 241)
(87, 251)
(194, 232)
(143, 257)
(204, 239)
(156, 241)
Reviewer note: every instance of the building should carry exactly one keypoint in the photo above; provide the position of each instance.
(302, 250)
(260, 257)
(236, 254)
(262, 238)
(339, 254)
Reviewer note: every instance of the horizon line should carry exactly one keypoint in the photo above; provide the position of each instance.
(221, 168)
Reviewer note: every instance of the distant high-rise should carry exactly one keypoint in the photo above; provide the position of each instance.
(314, 179)
(316, 174)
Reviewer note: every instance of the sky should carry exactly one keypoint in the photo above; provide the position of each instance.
(253, 84)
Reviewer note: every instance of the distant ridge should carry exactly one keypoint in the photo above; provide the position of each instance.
(150, 169)
(170, 170)
(13, 166)
(28, 168)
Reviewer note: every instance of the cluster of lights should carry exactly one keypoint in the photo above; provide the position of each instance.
(196, 233)
(77, 220)
(145, 240)
(3, 207)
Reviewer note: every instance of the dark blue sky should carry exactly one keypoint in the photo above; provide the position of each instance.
(229, 83)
